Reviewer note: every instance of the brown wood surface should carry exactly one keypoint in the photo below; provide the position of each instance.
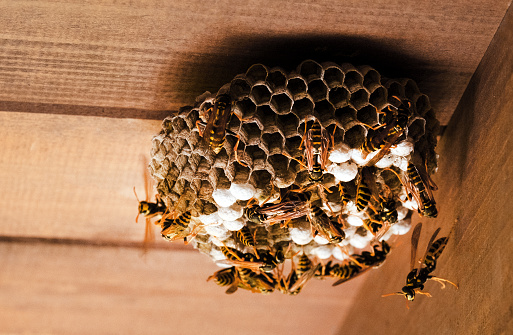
(63, 289)
(476, 165)
(160, 55)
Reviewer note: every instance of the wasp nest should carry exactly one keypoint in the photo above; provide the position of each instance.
(340, 145)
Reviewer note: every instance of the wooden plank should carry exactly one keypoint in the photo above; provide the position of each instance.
(60, 289)
(72, 177)
(476, 165)
(160, 55)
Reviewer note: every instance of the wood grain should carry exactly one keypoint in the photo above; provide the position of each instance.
(476, 165)
(160, 55)
(51, 289)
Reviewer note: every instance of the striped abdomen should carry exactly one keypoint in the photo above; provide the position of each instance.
(363, 196)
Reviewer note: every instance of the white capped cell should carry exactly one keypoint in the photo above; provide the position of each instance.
(217, 254)
(402, 227)
(301, 236)
(210, 219)
(242, 191)
(339, 254)
(385, 162)
(223, 197)
(386, 236)
(403, 148)
(354, 220)
(323, 251)
(358, 157)
(321, 240)
(233, 225)
(231, 213)
(402, 212)
(401, 163)
(344, 171)
(340, 153)
(219, 231)
(359, 241)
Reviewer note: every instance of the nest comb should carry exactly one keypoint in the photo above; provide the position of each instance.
(274, 109)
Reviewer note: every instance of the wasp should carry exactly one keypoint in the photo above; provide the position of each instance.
(322, 225)
(294, 206)
(226, 277)
(243, 278)
(265, 261)
(366, 190)
(396, 122)
(149, 209)
(298, 277)
(418, 276)
(374, 258)
(317, 146)
(175, 229)
(420, 186)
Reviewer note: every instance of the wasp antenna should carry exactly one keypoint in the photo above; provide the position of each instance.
(391, 294)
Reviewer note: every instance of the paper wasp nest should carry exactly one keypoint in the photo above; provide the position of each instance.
(276, 109)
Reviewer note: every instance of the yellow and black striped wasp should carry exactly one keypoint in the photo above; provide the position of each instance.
(247, 279)
(149, 209)
(317, 143)
(298, 276)
(418, 276)
(178, 228)
(419, 185)
(395, 123)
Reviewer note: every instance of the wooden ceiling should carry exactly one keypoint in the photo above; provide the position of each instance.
(83, 87)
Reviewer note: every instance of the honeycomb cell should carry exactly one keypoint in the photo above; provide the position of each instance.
(368, 115)
(394, 89)
(257, 155)
(268, 118)
(324, 112)
(410, 89)
(422, 104)
(297, 88)
(378, 97)
(281, 103)
(246, 108)
(292, 146)
(355, 136)
(334, 77)
(302, 108)
(310, 70)
(273, 141)
(240, 88)
(260, 94)
(317, 90)
(251, 133)
(371, 78)
(205, 191)
(256, 74)
(237, 173)
(345, 116)
(277, 80)
(339, 97)
(359, 99)
(178, 125)
(353, 81)
(288, 123)
(260, 178)
(416, 129)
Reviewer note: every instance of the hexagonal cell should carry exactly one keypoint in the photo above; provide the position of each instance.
(257, 155)
(277, 80)
(237, 173)
(359, 99)
(218, 179)
(334, 77)
(379, 97)
(267, 117)
(251, 133)
(410, 89)
(246, 108)
(205, 191)
(260, 94)
(324, 112)
(337, 132)
(422, 104)
(260, 178)
(281, 103)
(239, 88)
(288, 124)
(283, 177)
(292, 145)
(317, 89)
(256, 74)
(353, 80)
(416, 129)
(310, 70)
(297, 88)
(345, 115)
(178, 124)
(303, 108)
(368, 115)
(273, 141)
(339, 97)
(394, 88)
(371, 78)
(355, 136)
